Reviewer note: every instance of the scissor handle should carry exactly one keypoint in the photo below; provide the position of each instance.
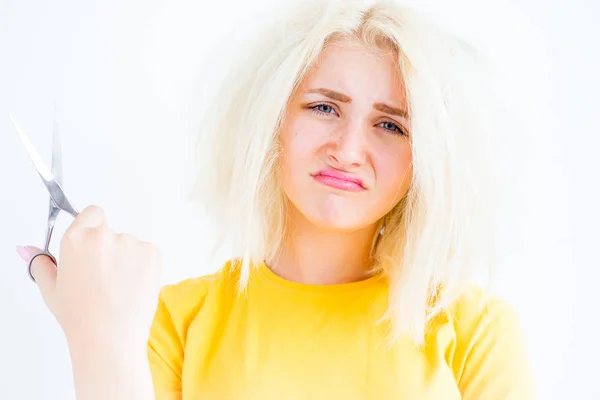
(41, 253)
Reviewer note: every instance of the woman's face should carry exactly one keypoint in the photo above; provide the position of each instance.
(346, 150)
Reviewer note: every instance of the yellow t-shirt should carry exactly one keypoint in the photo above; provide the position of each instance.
(285, 340)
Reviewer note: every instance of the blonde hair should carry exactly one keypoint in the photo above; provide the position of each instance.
(441, 233)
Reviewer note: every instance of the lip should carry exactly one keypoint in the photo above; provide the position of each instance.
(339, 180)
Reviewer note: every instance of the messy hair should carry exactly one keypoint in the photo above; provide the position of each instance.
(440, 234)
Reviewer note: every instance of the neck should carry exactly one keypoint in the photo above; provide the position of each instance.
(312, 255)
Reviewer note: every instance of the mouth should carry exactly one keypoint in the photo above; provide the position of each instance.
(339, 180)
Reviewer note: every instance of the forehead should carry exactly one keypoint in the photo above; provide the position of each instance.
(348, 65)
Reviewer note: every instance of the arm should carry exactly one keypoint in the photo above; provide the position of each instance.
(101, 373)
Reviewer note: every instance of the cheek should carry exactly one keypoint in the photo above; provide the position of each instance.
(394, 173)
(300, 140)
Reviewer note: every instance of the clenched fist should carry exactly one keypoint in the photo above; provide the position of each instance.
(105, 289)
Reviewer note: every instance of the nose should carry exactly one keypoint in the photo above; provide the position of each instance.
(348, 146)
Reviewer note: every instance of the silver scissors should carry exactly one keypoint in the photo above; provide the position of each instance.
(52, 180)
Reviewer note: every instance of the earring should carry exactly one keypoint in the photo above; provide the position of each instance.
(382, 230)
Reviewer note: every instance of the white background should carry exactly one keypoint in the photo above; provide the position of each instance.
(126, 78)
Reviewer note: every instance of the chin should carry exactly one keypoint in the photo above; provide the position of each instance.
(336, 218)
(331, 211)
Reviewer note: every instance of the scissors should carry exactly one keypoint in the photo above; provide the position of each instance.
(52, 180)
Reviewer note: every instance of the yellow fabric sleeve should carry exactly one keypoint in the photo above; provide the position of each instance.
(167, 339)
(492, 363)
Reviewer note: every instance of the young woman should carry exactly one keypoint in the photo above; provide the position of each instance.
(350, 163)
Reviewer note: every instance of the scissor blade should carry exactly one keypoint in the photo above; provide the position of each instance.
(56, 167)
(33, 154)
(57, 195)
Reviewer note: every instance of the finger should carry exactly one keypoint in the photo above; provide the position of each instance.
(43, 270)
(92, 216)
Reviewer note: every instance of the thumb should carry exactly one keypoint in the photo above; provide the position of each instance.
(42, 269)
(92, 216)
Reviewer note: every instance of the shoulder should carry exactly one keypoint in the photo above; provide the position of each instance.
(189, 293)
(478, 318)
(187, 297)
(181, 302)
(478, 309)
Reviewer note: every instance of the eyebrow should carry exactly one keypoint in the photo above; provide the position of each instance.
(347, 99)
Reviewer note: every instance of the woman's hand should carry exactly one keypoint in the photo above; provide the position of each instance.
(106, 286)
(104, 295)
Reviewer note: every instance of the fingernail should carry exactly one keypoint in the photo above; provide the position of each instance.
(23, 253)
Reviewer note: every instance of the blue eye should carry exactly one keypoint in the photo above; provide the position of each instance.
(322, 109)
(390, 126)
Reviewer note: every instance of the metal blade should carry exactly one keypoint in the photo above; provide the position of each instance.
(56, 167)
(57, 195)
(39, 165)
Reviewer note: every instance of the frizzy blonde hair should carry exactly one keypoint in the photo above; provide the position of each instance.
(441, 233)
